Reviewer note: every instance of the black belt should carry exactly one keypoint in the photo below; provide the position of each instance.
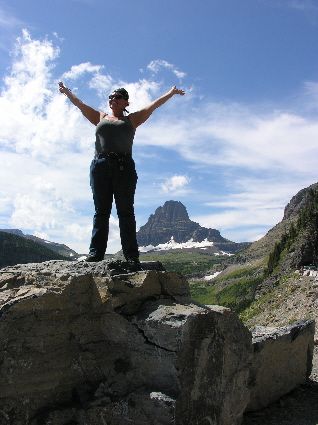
(113, 155)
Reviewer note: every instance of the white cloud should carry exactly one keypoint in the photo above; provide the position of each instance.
(246, 217)
(248, 214)
(141, 92)
(77, 71)
(40, 208)
(157, 64)
(245, 234)
(256, 194)
(41, 235)
(34, 117)
(233, 136)
(48, 214)
(102, 84)
(175, 184)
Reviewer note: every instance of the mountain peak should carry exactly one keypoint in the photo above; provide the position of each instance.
(171, 222)
(173, 211)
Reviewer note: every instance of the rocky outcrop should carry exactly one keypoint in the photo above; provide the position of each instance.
(282, 361)
(172, 220)
(298, 202)
(79, 346)
(300, 241)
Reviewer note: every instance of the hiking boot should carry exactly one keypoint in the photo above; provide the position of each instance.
(92, 258)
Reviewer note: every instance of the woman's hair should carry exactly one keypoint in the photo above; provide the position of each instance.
(123, 92)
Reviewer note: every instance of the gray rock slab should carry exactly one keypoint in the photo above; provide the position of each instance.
(282, 361)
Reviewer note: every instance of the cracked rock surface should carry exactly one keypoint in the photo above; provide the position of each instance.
(79, 346)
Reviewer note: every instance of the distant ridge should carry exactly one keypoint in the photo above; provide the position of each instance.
(60, 249)
(15, 249)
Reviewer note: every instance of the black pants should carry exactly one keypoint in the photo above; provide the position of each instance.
(114, 177)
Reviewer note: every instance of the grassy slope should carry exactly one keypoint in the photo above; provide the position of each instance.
(234, 289)
(186, 262)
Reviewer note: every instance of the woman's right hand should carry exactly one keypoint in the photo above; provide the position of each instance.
(91, 114)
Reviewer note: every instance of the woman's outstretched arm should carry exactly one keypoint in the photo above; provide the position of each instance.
(91, 114)
(139, 117)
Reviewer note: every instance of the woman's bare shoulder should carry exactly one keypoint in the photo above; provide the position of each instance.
(102, 115)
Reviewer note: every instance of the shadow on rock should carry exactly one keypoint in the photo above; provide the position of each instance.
(300, 407)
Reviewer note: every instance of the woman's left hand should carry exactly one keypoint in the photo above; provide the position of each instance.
(174, 90)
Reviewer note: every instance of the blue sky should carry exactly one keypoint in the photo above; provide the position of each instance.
(234, 149)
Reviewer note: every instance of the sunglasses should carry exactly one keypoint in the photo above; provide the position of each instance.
(116, 96)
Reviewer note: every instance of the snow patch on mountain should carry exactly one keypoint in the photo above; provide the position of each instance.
(223, 253)
(211, 276)
(172, 244)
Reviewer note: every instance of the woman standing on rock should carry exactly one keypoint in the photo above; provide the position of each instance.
(112, 172)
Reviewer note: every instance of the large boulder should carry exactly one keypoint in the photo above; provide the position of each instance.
(79, 346)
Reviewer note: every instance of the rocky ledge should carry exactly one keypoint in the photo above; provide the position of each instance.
(79, 346)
